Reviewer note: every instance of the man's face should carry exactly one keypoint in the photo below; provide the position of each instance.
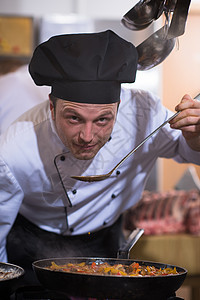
(84, 128)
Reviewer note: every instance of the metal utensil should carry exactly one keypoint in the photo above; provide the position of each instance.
(143, 14)
(124, 251)
(155, 49)
(105, 176)
(178, 23)
(12, 280)
(108, 286)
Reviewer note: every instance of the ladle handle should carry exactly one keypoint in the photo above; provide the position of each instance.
(150, 135)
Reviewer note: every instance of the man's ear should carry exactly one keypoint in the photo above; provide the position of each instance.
(52, 109)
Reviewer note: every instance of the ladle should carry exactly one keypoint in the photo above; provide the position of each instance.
(105, 176)
(143, 14)
(154, 49)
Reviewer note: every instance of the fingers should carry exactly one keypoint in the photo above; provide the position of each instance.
(189, 116)
(187, 102)
(186, 119)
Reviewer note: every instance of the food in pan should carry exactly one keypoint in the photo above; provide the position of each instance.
(104, 268)
(5, 274)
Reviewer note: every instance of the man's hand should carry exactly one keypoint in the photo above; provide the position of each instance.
(188, 121)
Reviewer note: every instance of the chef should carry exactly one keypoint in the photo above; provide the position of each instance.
(86, 127)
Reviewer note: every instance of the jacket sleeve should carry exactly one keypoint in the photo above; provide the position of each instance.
(186, 154)
(172, 144)
(11, 197)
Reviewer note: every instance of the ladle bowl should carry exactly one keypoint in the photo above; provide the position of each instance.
(155, 49)
(143, 14)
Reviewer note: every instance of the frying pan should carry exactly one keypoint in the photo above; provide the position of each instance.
(108, 286)
(9, 285)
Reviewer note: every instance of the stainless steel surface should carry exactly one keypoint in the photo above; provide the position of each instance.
(143, 14)
(179, 18)
(105, 176)
(155, 49)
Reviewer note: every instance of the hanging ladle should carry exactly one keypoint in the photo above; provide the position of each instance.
(143, 14)
(105, 176)
(155, 49)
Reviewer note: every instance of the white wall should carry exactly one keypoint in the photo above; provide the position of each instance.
(91, 8)
(36, 8)
(105, 8)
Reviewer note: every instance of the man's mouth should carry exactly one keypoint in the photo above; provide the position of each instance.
(85, 147)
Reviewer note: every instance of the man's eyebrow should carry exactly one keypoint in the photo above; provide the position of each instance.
(70, 110)
(74, 111)
(108, 112)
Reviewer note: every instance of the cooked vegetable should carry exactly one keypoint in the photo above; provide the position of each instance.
(4, 274)
(104, 268)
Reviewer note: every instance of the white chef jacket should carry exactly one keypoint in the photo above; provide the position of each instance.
(36, 168)
(18, 93)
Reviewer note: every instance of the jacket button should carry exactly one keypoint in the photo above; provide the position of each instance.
(62, 158)
(113, 196)
(118, 172)
(71, 229)
(104, 223)
(74, 192)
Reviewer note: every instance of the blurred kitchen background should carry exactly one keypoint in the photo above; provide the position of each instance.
(24, 24)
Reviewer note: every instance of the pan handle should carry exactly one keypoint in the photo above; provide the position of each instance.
(124, 251)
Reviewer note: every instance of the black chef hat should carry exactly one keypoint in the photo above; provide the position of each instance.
(85, 68)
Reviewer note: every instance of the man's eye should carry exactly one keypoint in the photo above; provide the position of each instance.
(73, 118)
(103, 120)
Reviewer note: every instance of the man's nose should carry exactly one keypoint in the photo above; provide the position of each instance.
(86, 133)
